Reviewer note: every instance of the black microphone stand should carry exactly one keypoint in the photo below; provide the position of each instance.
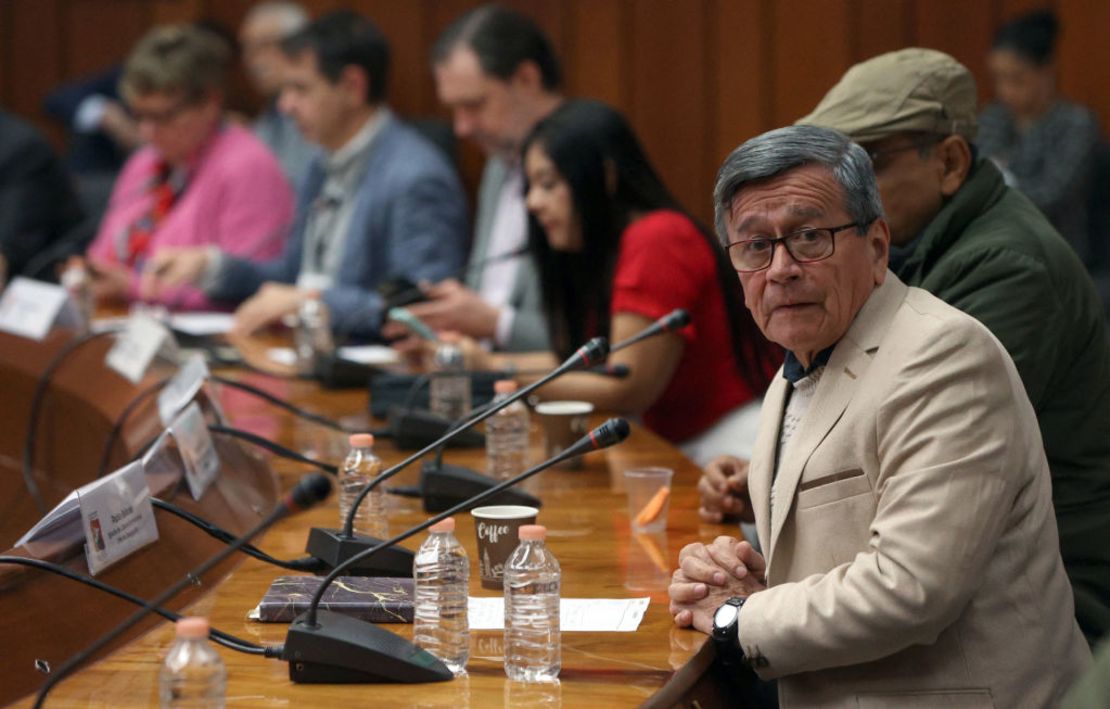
(336, 546)
(329, 647)
(310, 490)
(443, 485)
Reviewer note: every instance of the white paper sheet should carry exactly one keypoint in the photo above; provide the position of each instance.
(614, 615)
(282, 355)
(372, 355)
(201, 324)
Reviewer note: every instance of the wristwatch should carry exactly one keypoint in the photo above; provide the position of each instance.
(725, 620)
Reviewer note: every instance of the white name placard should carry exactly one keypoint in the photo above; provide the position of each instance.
(137, 346)
(117, 516)
(182, 387)
(202, 463)
(30, 308)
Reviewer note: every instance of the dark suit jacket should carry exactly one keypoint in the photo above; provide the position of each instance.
(40, 215)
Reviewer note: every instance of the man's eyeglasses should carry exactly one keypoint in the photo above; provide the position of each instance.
(804, 246)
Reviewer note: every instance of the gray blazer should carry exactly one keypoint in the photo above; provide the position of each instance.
(409, 220)
(529, 331)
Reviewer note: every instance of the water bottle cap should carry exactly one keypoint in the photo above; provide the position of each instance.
(504, 386)
(444, 525)
(532, 533)
(192, 627)
(361, 440)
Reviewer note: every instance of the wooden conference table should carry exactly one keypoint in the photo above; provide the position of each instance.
(586, 515)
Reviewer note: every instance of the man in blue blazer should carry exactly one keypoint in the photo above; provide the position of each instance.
(382, 201)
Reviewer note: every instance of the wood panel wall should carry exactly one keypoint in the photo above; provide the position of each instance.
(696, 77)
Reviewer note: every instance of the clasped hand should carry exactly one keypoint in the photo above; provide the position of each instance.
(710, 574)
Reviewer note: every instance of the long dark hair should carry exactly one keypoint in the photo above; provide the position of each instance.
(611, 183)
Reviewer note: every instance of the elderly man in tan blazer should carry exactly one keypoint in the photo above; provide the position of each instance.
(899, 482)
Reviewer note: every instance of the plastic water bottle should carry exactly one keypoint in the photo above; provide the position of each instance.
(442, 582)
(533, 650)
(449, 390)
(507, 434)
(75, 279)
(359, 468)
(193, 674)
(312, 336)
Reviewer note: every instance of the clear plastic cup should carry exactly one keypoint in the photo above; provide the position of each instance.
(649, 498)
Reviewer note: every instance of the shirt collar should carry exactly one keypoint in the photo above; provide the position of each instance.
(358, 145)
(793, 371)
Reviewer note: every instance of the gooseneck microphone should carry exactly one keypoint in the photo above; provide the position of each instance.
(443, 485)
(310, 490)
(671, 322)
(336, 546)
(329, 647)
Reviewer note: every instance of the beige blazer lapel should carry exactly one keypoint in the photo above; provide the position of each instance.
(849, 359)
(762, 469)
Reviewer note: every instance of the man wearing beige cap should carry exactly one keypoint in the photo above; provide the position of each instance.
(959, 232)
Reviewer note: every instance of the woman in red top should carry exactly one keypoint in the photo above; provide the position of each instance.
(615, 252)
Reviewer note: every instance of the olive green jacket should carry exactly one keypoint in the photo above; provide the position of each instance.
(990, 253)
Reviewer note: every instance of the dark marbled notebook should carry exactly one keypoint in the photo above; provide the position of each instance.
(377, 600)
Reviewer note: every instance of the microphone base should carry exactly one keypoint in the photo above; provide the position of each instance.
(340, 649)
(413, 429)
(444, 486)
(333, 372)
(332, 548)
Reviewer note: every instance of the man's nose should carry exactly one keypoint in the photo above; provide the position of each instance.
(783, 266)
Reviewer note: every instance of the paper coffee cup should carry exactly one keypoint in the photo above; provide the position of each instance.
(496, 528)
(564, 422)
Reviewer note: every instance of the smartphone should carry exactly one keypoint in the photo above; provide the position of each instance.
(406, 318)
(399, 292)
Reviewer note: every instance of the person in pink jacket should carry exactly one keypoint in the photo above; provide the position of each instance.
(199, 181)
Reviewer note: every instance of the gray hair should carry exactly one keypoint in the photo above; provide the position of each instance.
(290, 16)
(784, 149)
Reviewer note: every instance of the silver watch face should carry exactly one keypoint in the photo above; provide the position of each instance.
(725, 615)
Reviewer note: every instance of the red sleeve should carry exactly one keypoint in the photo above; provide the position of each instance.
(664, 263)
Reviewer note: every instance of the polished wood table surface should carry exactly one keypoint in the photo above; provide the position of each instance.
(588, 530)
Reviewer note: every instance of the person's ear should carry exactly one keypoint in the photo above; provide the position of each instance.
(527, 77)
(954, 154)
(355, 83)
(878, 240)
